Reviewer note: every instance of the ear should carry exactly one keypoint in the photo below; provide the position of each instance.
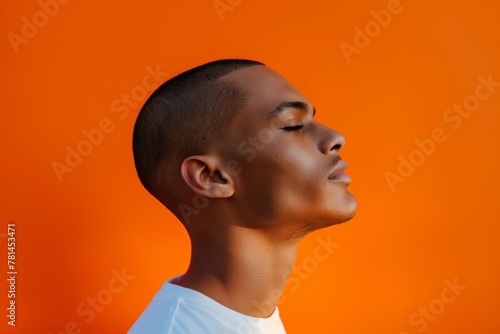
(205, 176)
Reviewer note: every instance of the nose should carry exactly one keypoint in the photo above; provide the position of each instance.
(332, 141)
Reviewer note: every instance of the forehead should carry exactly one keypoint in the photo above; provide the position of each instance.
(266, 89)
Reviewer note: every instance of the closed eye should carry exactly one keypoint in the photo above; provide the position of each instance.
(293, 128)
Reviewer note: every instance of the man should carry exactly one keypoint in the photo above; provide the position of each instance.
(233, 150)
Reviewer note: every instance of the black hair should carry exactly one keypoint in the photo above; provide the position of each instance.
(184, 116)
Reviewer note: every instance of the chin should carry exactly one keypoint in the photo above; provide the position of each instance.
(349, 214)
(337, 216)
(351, 211)
(316, 217)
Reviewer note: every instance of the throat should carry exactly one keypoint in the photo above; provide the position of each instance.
(245, 272)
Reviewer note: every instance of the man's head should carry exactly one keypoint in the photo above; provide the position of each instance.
(237, 143)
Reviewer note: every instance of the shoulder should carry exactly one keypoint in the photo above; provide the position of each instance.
(175, 309)
(157, 317)
(178, 310)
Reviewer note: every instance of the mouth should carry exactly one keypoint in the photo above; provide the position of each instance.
(339, 174)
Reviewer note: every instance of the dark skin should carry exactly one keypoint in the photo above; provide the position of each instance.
(244, 242)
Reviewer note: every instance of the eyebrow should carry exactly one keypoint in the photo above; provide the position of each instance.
(287, 105)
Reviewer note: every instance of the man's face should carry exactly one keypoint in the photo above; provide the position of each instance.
(285, 158)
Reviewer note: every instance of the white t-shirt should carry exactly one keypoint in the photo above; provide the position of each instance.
(179, 310)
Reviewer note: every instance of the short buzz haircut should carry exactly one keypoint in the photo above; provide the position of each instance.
(184, 116)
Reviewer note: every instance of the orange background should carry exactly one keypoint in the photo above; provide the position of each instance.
(394, 256)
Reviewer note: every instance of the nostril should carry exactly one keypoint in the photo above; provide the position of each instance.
(336, 147)
(331, 142)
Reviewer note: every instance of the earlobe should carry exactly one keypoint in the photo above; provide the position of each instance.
(202, 174)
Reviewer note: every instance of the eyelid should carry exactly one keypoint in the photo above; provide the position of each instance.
(293, 127)
(296, 127)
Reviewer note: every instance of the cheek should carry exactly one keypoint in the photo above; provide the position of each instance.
(300, 164)
(300, 174)
(282, 175)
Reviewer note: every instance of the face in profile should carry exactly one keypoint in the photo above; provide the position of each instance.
(287, 159)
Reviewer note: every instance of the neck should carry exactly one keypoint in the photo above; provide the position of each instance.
(243, 269)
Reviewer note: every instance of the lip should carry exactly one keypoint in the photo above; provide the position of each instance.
(339, 174)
